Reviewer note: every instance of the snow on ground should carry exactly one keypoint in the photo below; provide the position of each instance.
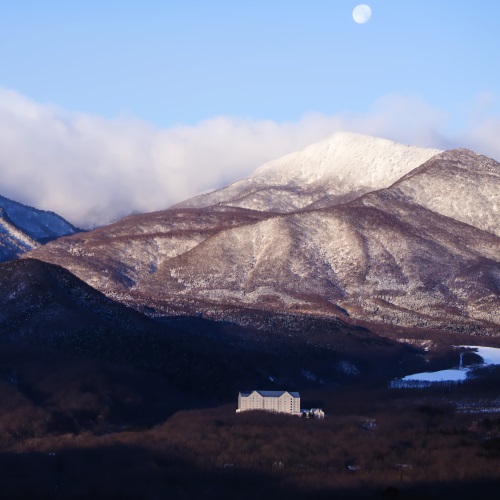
(490, 355)
(13, 241)
(453, 375)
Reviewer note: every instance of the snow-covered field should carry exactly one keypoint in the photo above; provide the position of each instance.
(490, 355)
(453, 375)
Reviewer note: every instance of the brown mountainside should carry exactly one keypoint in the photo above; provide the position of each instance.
(424, 252)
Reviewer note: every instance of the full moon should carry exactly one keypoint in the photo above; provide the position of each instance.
(362, 13)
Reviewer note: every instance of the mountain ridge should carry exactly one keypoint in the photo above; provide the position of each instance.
(341, 167)
(23, 228)
(413, 253)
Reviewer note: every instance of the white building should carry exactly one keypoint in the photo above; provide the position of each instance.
(277, 401)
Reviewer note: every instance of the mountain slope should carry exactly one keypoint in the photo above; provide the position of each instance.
(45, 308)
(459, 184)
(38, 224)
(376, 258)
(423, 252)
(118, 256)
(335, 170)
(23, 228)
(13, 241)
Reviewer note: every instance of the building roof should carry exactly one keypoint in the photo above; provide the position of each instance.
(270, 394)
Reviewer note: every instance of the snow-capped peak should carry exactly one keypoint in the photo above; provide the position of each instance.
(336, 169)
(351, 158)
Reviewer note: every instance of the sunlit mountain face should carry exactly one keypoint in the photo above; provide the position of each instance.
(354, 227)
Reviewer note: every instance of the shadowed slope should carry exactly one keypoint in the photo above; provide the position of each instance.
(13, 241)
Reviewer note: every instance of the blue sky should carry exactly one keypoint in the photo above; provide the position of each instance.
(111, 107)
(181, 61)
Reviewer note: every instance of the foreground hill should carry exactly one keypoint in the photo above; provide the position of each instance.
(45, 306)
(422, 252)
(74, 363)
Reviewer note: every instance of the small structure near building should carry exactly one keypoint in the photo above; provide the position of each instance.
(274, 401)
(313, 413)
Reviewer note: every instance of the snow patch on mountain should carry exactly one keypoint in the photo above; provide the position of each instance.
(13, 241)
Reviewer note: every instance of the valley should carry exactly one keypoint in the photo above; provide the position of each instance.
(101, 430)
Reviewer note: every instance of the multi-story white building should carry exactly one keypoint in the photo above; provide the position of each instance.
(277, 401)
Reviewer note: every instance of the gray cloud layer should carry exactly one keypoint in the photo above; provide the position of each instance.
(93, 170)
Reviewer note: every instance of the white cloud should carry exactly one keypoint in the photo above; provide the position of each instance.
(92, 170)
(483, 138)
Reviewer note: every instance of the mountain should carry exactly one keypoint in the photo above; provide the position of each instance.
(37, 298)
(333, 171)
(82, 376)
(459, 184)
(354, 227)
(45, 308)
(23, 228)
(40, 225)
(13, 241)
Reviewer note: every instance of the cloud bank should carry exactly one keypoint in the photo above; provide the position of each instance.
(93, 170)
